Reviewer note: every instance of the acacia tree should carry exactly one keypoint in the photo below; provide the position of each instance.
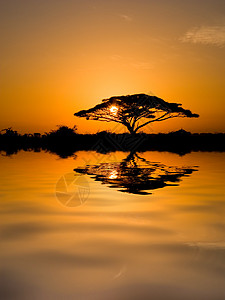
(135, 111)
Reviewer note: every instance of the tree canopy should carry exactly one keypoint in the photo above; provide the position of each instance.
(135, 111)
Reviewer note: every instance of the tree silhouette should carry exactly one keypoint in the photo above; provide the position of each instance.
(9, 132)
(135, 111)
(63, 131)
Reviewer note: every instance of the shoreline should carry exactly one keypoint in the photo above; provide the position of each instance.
(180, 142)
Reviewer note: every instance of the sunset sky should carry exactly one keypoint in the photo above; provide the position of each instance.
(58, 57)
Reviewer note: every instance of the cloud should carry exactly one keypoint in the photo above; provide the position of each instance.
(141, 65)
(126, 18)
(116, 57)
(208, 35)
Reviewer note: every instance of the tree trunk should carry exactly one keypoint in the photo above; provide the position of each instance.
(132, 132)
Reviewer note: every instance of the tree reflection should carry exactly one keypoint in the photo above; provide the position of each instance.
(136, 175)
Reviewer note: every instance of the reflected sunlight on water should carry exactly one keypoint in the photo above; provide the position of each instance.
(114, 245)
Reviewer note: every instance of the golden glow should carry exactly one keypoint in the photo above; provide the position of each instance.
(114, 110)
(113, 174)
(72, 62)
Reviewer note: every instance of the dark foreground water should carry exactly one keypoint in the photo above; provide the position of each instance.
(117, 227)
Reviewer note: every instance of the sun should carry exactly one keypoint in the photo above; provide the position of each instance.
(114, 110)
(113, 174)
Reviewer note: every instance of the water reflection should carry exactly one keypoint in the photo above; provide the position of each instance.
(136, 175)
(114, 246)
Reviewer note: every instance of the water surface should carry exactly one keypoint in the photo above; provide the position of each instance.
(110, 241)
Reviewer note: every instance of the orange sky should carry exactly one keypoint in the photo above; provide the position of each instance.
(58, 57)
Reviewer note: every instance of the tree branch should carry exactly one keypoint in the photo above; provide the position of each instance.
(156, 120)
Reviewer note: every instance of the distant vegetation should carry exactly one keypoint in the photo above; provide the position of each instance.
(65, 142)
(62, 131)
